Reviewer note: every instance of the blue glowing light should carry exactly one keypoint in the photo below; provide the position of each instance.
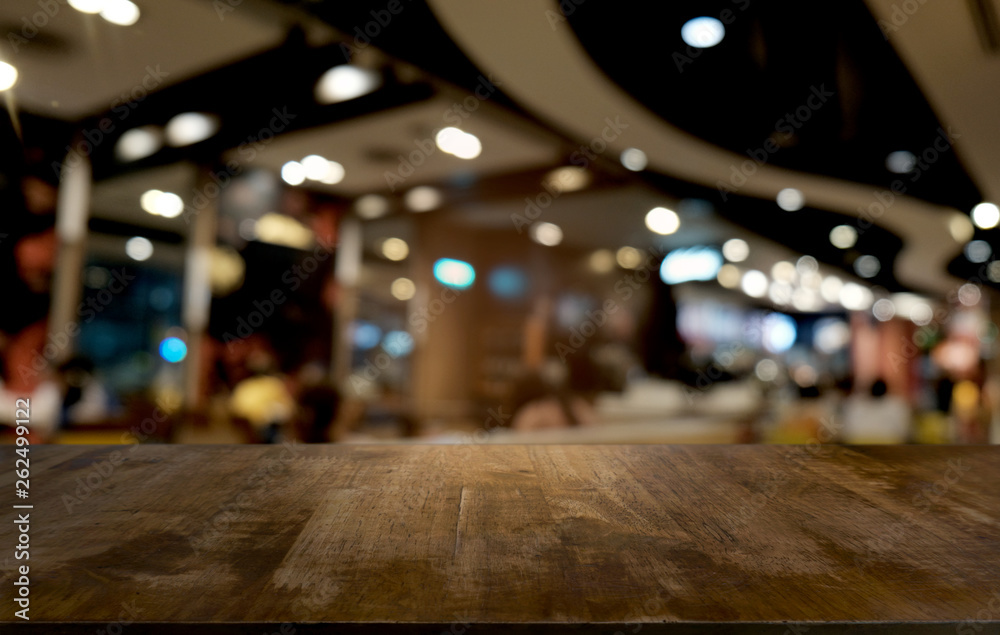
(780, 332)
(454, 273)
(173, 349)
(703, 32)
(398, 343)
(508, 282)
(366, 335)
(693, 263)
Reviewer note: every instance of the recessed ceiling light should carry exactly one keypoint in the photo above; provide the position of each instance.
(867, 266)
(843, 236)
(628, 257)
(969, 294)
(960, 227)
(315, 166)
(157, 203)
(345, 82)
(790, 199)
(978, 251)
(703, 32)
(884, 310)
(900, 162)
(148, 201)
(139, 143)
(830, 288)
(138, 248)
(293, 173)
(780, 292)
(335, 173)
(403, 289)
(461, 144)
(855, 297)
(754, 284)
(548, 234)
(279, 229)
(634, 159)
(120, 12)
(395, 249)
(190, 127)
(806, 265)
(729, 276)
(736, 250)
(8, 76)
(568, 178)
(422, 199)
(371, 206)
(662, 221)
(784, 271)
(601, 261)
(806, 300)
(986, 215)
(169, 205)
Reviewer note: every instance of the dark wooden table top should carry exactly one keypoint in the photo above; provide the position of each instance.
(511, 539)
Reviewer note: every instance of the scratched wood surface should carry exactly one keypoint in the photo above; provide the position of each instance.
(675, 539)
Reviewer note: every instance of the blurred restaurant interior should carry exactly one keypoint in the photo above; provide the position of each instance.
(439, 221)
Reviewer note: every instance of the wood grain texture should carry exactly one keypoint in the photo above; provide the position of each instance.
(675, 539)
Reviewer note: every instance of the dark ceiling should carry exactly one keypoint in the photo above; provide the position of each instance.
(774, 57)
(763, 81)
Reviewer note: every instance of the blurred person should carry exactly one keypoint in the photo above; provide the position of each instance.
(40, 195)
(35, 255)
(546, 400)
(26, 375)
(801, 418)
(85, 400)
(36, 245)
(876, 418)
(262, 401)
(319, 403)
(969, 412)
